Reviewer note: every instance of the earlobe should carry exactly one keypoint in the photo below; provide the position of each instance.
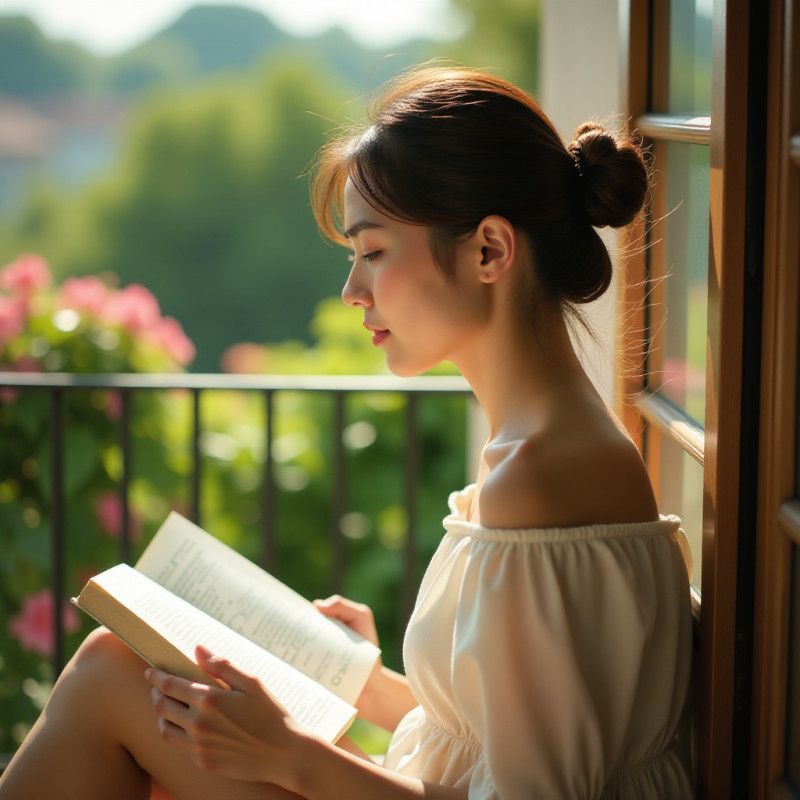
(497, 238)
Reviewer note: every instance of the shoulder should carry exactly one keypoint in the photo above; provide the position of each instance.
(566, 480)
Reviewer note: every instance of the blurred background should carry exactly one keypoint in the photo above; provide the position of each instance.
(165, 143)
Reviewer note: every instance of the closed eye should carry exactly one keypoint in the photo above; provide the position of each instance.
(367, 257)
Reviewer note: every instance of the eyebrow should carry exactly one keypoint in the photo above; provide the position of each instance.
(361, 225)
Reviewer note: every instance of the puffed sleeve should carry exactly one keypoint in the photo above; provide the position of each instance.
(571, 662)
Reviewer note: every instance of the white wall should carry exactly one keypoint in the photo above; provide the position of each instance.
(580, 81)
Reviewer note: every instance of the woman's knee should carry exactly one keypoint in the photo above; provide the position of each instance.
(101, 657)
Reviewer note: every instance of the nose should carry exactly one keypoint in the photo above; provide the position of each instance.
(355, 292)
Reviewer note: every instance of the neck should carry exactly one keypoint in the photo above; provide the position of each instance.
(517, 376)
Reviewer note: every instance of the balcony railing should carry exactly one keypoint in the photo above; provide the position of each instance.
(58, 385)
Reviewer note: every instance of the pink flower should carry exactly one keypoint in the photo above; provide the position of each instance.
(172, 338)
(135, 308)
(245, 358)
(12, 318)
(114, 406)
(108, 510)
(25, 364)
(26, 275)
(34, 626)
(87, 294)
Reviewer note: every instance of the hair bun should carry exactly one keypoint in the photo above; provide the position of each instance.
(613, 175)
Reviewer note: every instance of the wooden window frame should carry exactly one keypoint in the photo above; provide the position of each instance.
(719, 659)
(779, 508)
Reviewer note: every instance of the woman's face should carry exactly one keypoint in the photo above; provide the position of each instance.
(418, 317)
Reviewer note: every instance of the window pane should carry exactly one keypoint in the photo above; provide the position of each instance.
(793, 716)
(690, 57)
(678, 370)
(681, 493)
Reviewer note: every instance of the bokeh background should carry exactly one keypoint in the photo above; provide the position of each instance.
(179, 161)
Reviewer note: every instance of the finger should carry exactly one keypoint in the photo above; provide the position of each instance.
(169, 709)
(172, 733)
(345, 610)
(172, 718)
(175, 687)
(221, 668)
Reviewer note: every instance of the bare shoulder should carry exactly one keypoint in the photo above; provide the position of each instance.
(592, 475)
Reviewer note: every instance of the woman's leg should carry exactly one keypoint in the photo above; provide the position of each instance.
(98, 738)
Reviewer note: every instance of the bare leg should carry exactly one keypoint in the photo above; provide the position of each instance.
(98, 738)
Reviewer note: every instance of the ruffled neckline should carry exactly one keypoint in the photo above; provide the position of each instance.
(456, 523)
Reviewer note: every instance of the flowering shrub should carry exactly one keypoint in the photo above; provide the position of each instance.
(34, 626)
(84, 324)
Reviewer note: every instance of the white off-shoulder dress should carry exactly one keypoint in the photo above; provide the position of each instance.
(550, 664)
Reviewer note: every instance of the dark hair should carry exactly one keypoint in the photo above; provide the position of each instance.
(447, 147)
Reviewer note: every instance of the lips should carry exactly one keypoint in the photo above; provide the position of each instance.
(378, 334)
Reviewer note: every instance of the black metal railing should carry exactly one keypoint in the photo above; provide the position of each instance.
(58, 385)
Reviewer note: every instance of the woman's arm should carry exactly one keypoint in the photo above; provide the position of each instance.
(386, 698)
(247, 735)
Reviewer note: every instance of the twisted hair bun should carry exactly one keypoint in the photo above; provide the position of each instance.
(613, 175)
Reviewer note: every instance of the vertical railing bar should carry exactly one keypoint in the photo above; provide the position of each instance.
(57, 526)
(411, 485)
(339, 489)
(125, 445)
(196, 460)
(269, 559)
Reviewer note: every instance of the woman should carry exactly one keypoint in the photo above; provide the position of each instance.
(549, 650)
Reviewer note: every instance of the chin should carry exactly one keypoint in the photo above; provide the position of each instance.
(405, 369)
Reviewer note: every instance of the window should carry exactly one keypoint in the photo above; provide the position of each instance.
(669, 280)
(687, 299)
(776, 696)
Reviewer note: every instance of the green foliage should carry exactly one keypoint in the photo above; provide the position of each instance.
(208, 207)
(503, 37)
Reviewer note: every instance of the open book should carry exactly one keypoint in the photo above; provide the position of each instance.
(188, 588)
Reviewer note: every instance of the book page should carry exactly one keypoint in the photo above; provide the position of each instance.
(216, 579)
(184, 626)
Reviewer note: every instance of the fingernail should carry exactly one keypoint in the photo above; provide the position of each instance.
(148, 673)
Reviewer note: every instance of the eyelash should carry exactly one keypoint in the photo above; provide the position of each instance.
(366, 257)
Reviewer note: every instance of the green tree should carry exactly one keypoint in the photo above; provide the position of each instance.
(208, 206)
(503, 36)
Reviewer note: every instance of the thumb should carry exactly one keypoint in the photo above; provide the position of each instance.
(222, 669)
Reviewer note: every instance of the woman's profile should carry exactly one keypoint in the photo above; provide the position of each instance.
(548, 654)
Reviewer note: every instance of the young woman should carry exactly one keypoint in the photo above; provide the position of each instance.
(548, 654)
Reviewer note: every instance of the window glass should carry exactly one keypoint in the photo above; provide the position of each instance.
(681, 493)
(678, 370)
(690, 57)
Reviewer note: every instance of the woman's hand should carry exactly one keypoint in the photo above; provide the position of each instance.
(356, 616)
(243, 733)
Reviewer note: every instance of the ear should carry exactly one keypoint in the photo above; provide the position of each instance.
(497, 239)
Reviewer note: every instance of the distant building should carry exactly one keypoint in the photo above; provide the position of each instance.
(65, 139)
